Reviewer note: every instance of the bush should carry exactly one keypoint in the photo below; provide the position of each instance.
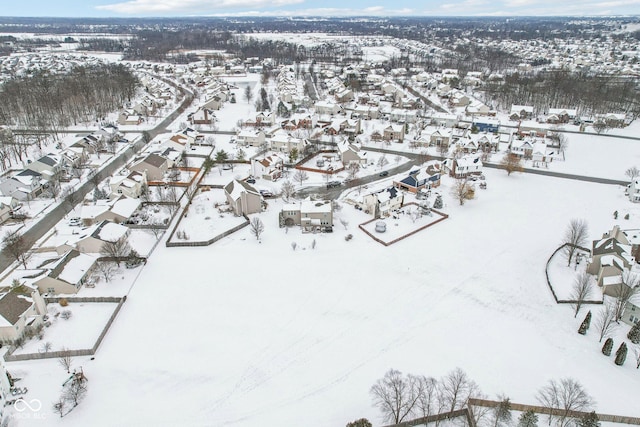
(607, 347)
(634, 333)
(63, 302)
(66, 314)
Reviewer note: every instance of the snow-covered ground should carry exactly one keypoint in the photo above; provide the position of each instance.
(243, 333)
(80, 331)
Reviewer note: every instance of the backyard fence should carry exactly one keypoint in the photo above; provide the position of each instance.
(553, 292)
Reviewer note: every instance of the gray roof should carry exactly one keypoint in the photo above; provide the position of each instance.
(12, 306)
(155, 160)
(47, 161)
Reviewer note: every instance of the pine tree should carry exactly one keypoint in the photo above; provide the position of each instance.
(587, 319)
(634, 333)
(621, 354)
(437, 204)
(607, 347)
(583, 327)
(528, 419)
(589, 420)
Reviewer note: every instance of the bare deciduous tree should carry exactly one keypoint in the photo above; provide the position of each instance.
(581, 291)
(287, 190)
(107, 270)
(65, 361)
(352, 170)
(300, 176)
(257, 227)
(396, 395)
(16, 246)
(427, 403)
(59, 406)
(575, 235)
(462, 190)
(625, 292)
(567, 395)
(605, 323)
(76, 391)
(633, 172)
(456, 388)
(117, 249)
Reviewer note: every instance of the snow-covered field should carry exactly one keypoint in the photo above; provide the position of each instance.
(242, 333)
(78, 332)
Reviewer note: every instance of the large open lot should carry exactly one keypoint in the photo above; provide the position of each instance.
(244, 333)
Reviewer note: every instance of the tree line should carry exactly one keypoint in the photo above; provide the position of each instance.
(47, 101)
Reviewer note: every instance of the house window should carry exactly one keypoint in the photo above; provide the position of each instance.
(51, 290)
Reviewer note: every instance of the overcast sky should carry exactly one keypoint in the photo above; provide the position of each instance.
(168, 8)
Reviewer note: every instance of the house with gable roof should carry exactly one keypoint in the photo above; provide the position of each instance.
(633, 190)
(381, 203)
(350, 153)
(25, 185)
(91, 239)
(20, 308)
(153, 165)
(68, 274)
(243, 198)
(269, 168)
(130, 185)
(610, 259)
(48, 166)
(311, 216)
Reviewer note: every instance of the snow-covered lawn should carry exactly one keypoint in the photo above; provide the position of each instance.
(563, 277)
(78, 332)
(208, 216)
(243, 333)
(407, 221)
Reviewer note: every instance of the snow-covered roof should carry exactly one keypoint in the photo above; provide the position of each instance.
(125, 206)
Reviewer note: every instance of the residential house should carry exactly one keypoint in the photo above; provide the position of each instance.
(561, 115)
(283, 142)
(8, 205)
(214, 103)
(610, 259)
(48, 166)
(350, 153)
(91, 239)
(394, 133)
(153, 165)
(203, 116)
(522, 148)
(129, 118)
(415, 181)
(269, 168)
(633, 190)
(327, 107)
(118, 211)
(68, 274)
(312, 216)
(382, 203)
(487, 125)
(521, 112)
(20, 308)
(243, 198)
(25, 185)
(444, 119)
(440, 137)
(130, 185)
(463, 167)
(631, 314)
(250, 138)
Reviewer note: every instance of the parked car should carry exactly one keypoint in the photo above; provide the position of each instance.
(266, 193)
(75, 221)
(333, 184)
(384, 173)
(250, 180)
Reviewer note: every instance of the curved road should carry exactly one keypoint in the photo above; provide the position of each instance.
(50, 219)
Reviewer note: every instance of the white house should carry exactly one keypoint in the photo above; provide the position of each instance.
(633, 190)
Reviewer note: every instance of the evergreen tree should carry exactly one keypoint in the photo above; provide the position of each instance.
(634, 333)
(437, 204)
(528, 419)
(587, 319)
(582, 330)
(607, 347)
(621, 354)
(589, 420)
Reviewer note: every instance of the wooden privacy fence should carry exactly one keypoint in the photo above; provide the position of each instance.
(9, 357)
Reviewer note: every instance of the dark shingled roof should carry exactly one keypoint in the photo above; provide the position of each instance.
(12, 306)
